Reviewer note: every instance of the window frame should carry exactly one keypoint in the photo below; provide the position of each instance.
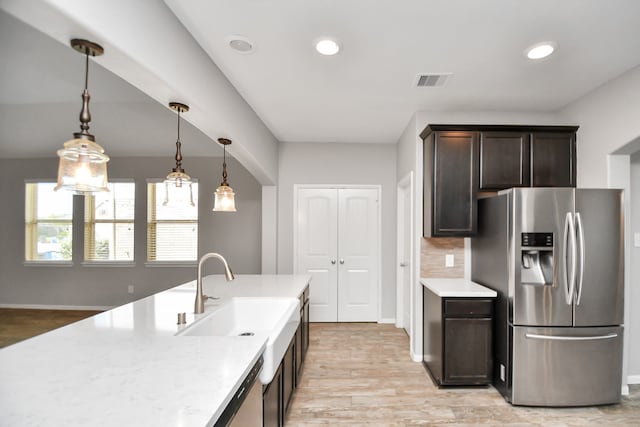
(31, 222)
(151, 222)
(88, 228)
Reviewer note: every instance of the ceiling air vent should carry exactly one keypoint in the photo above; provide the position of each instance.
(432, 80)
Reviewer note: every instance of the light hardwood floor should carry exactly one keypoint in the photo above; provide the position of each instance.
(361, 374)
(19, 324)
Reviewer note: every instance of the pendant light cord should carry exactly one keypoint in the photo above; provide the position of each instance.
(178, 148)
(179, 111)
(224, 166)
(86, 71)
(85, 114)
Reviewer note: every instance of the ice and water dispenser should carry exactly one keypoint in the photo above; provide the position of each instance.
(536, 261)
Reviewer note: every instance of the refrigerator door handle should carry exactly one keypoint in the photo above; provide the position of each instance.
(581, 246)
(570, 338)
(569, 241)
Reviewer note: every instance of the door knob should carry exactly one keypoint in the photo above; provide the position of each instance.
(341, 261)
(333, 261)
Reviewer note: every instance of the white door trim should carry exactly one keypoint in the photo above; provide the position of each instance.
(297, 187)
(405, 186)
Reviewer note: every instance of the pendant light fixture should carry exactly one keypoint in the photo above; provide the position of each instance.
(224, 200)
(177, 177)
(82, 165)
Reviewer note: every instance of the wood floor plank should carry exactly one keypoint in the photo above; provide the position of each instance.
(18, 324)
(360, 374)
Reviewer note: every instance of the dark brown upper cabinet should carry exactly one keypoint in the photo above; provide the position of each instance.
(450, 183)
(504, 160)
(462, 160)
(553, 159)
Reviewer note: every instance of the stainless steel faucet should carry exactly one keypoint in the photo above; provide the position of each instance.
(200, 297)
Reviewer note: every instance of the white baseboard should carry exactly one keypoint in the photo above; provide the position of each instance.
(633, 379)
(416, 357)
(388, 320)
(57, 307)
(625, 390)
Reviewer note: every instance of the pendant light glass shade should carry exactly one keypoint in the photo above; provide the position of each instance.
(178, 196)
(224, 197)
(177, 178)
(82, 167)
(82, 163)
(174, 180)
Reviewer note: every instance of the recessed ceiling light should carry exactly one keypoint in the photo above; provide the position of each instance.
(327, 47)
(240, 44)
(540, 50)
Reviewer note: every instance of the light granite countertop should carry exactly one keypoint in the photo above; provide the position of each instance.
(126, 367)
(457, 288)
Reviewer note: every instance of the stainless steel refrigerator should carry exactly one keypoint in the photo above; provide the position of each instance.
(555, 257)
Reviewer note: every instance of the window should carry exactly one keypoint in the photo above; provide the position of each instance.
(109, 223)
(48, 223)
(172, 222)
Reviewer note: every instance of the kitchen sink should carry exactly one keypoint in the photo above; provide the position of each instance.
(275, 318)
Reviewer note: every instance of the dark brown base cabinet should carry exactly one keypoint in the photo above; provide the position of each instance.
(289, 374)
(457, 340)
(302, 336)
(277, 395)
(272, 415)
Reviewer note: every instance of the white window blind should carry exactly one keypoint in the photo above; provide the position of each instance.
(48, 223)
(109, 224)
(172, 222)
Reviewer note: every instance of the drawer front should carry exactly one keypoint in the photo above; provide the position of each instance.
(468, 307)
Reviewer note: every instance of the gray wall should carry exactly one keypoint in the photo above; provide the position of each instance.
(408, 156)
(332, 164)
(608, 119)
(235, 235)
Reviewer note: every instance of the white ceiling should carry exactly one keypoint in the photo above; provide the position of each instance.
(365, 93)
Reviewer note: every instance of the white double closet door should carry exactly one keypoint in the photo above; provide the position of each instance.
(337, 238)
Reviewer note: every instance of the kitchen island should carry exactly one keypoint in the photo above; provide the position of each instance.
(126, 367)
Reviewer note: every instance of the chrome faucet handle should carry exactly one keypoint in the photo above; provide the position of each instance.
(200, 297)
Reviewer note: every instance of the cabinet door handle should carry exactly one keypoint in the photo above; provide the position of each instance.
(403, 264)
(341, 261)
(333, 261)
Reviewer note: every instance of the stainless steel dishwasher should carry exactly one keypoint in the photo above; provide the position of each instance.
(245, 408)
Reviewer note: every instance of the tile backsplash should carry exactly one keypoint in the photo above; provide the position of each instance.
(432, 257)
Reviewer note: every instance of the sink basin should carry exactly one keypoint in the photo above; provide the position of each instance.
(275, 318)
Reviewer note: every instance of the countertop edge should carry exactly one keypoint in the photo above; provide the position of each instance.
(457, 288)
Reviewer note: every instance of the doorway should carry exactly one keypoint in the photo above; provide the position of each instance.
(404, 257)
(337, 241)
